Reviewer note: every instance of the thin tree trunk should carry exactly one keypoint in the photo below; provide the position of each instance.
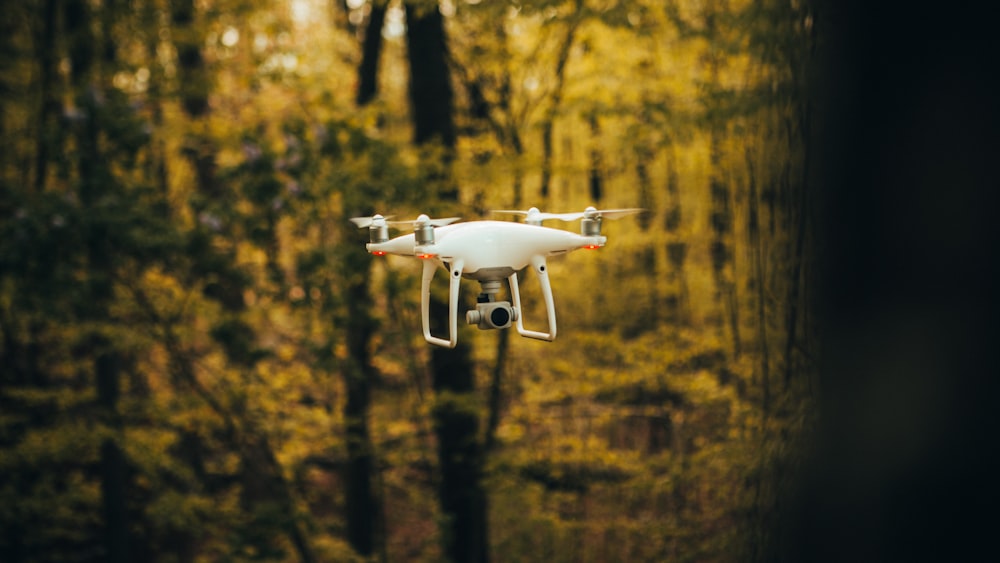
(157, 160)
(721, 215)
(505, 127)
(548, 121)
(596, 160)
(50, 102)
(194, 86)
(757, 279)
(677, 299)
(643, 158)
(801, 211)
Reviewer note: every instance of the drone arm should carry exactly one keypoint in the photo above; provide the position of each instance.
(538, 264)
(425, 303)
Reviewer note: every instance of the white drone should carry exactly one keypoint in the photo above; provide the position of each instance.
(487, 251)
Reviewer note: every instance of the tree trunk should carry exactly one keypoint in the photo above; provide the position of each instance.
(460, 455)
(721, 214)
(113, 464)
(194, 86)
(431, 95)
(676, 301)
(362, 507)
(94, 180)
(371, 50)
(47, 129)
(596, 160)
(363, 512)
(548, 121)
(758, 282)
(456, 419)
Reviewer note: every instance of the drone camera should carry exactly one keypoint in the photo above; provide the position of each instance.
(492, 315)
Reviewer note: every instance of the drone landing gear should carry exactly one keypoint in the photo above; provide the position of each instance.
(489, 313)
(455, 275)
(538, 265)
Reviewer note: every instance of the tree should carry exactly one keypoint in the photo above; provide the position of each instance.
(456, 418)
(371, 51)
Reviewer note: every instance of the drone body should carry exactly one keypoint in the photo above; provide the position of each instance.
(489, 248)
(488, 252)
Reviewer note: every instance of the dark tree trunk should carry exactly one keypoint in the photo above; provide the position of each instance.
(192, 73)
(371, 51)
(431, 95)
(362, 507)
(114, 469)
(194, 86)
(676, 300)
(94, 180)
(596, 160)
(50, 102)
(460, 455)
(456, 421)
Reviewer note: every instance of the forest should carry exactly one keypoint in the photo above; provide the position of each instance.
(199, 361)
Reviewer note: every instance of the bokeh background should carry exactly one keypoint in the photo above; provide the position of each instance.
(781, 359)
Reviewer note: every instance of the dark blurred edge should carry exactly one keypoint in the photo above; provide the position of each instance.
(904, 466)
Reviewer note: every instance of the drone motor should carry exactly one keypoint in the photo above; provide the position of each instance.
(590, 226)
(423, 234)
(378, 233)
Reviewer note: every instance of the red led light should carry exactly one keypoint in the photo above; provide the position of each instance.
(378, 252)
(592, 246)
(425, 256)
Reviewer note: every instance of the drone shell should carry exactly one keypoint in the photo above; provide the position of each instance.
(490, 246)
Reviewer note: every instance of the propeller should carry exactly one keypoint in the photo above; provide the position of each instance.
(380, 221)
(534, 214)
(376, 220)
(424, 220)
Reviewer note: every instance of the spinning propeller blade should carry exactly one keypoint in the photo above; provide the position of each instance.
(534, 214)
(618, 213)
(364, 222)
(424, 220)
